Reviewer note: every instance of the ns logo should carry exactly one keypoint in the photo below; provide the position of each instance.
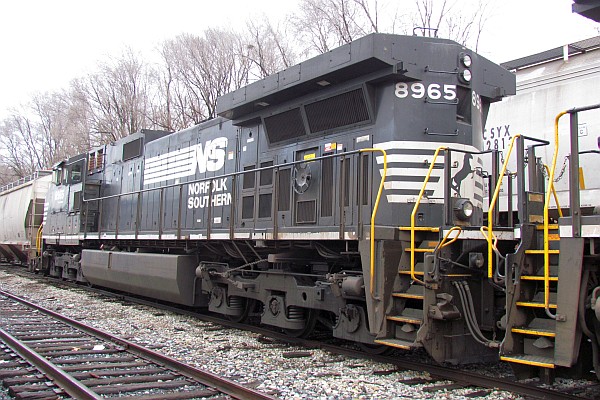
(211, 157)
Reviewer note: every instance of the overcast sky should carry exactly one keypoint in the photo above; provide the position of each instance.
(46, 43)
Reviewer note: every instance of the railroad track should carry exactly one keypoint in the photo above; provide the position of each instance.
(47, 355)
(441, 377)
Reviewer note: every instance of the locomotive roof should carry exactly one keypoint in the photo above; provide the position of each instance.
(587, 8)
(370, 53)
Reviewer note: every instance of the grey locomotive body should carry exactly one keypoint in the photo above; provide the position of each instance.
(345, 191)
(289, 204)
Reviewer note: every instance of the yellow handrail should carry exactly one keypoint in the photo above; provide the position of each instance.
(443, 243)
(38, 239)
(493, 205)
(553, 189)
(374, 213)
(546, 206)
(414, 213)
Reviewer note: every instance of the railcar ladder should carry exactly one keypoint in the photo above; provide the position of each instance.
(405, 315)
(542, 296)
(531, 328)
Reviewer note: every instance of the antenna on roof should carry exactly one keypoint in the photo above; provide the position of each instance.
(430, 32)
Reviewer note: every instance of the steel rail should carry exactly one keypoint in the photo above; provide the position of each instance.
(475, 379)
(440, 371)
(226, 386)
(63, 380)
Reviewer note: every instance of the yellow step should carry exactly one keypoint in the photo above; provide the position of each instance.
(534, 332)
(397, 343)
(541, 251)
(408, 296)
(420, 250)
(528, 359)
(551, 227)
(534, 305)
(538, 278)
(405, 319)
(420, 228)
(408, 272)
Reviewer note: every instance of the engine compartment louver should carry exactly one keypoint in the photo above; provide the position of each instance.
(284, 126)
(337, 111)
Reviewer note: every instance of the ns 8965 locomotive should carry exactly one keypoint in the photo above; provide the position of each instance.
(346, 191)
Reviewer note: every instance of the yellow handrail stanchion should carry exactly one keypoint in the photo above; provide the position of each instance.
(553, 189)
(546, 206)
(414, 213)
(493, 205)
(374, 213)
(38, 239)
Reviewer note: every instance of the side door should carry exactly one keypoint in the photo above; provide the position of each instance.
(247, 181)
(306, 184)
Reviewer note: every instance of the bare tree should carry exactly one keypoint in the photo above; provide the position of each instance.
(42, 132)
(18, 156)
(326, 24)
(6, 174)
(267, 48)
(440, 18)
(163, 112)
(200, 69)
(429, 17)
(127, 93)
(117, 96)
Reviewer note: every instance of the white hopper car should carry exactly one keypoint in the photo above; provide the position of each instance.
(21, 214)
(547, 84)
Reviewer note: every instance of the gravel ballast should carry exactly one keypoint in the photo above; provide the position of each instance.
(284, 371)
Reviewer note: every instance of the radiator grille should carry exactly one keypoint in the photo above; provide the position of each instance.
(327, 187)
(284, 126)
(284, 190)
(132, 149)
(337, 111)
(306, 212)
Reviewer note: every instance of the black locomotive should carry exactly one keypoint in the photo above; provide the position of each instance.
(345, 191)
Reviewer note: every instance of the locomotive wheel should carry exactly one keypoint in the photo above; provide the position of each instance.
(249, 305)
(311, 321)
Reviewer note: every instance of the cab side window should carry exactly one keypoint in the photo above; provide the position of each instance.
(57, 176)
(76, 170)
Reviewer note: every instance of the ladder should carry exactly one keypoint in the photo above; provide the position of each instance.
(543, 291)
(405, 316)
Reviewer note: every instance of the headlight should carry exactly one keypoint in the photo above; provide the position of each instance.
(463, 209)
(466, 75)
(466, 60)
